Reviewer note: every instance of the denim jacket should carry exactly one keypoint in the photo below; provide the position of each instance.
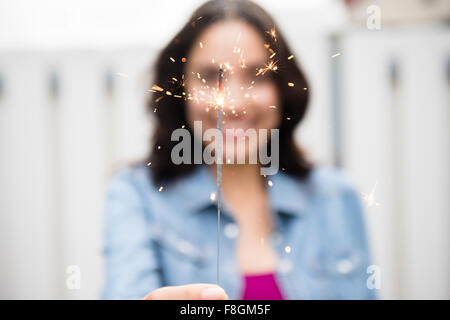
(155, 238)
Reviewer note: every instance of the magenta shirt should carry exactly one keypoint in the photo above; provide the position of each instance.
(261, 287)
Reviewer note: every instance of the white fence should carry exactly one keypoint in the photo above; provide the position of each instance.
(67, 119)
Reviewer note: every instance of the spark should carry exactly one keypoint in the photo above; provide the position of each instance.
(290, 57)
(183, 60)
(212, 196)
(272, 107)
(370, 198)
(287, 249)
(227, 66)
(272, 65)
(291, 84)
(157, 88)
(201, 45)
(172, 59)
(160, 189)
(238, 37)
(219, 100)
(270, 183)
(149, 164)
(273, 33)
(336, 55)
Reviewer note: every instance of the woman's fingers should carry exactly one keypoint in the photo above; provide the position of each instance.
(197, 291)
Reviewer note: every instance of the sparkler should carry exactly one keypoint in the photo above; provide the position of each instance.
(219, 102)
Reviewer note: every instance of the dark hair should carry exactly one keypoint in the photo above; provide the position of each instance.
(170, 112)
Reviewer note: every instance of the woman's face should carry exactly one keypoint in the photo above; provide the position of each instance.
(249, 101)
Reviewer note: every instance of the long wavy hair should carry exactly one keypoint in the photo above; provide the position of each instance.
(170, 112)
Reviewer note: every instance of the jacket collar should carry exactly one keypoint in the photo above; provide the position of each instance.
(287, 195)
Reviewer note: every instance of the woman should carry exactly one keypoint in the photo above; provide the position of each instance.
(295, 234)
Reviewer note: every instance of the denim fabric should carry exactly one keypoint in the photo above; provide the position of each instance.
(157, 238)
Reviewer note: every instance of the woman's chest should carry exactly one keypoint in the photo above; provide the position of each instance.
(306, 266)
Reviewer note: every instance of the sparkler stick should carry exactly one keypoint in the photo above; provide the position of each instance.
(219, 167)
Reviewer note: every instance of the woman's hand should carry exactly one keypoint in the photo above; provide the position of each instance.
(196, 291)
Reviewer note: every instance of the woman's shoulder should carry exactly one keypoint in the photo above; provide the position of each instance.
(130, 182)
(137, 175)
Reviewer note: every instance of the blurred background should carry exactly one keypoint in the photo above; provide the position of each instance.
(74, 76)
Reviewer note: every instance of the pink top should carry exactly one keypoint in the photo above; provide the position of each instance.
(261, 287)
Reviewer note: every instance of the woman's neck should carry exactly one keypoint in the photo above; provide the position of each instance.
(243, 189)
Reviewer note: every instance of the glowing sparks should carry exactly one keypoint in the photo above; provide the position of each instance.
(272, 65)
(157, 88)
(227, 66)
(273, 34)
(212, 196)
(270, 183)
(370, 198)
(160, 189)
(149, 164)
(287, 249)
(336, 55)
(219, 100)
